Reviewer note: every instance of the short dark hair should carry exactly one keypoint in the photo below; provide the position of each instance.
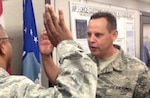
(111, 19)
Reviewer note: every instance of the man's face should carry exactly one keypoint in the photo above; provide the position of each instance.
(6, 48)
(100, 40)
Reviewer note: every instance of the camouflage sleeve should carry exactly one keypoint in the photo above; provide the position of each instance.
(142, 89)
(78, 73)
(77, 77)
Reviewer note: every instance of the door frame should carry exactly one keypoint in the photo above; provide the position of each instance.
(144, 19)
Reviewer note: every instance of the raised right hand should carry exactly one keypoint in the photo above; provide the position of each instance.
(56, 27)
(46, 47)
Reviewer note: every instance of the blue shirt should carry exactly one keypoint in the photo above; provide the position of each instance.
(146, 54)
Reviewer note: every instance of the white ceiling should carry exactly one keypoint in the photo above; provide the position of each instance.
(147, 1)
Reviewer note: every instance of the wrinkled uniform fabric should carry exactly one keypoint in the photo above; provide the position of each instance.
(125, 77)
(77, 78)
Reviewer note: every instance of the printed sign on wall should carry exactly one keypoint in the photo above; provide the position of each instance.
(80, 15)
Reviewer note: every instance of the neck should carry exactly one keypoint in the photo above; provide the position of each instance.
(3, 67)
(108, 53)
(3, 64)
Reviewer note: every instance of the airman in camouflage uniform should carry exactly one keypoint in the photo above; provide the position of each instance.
(76, 79)
(124, 77)
(119, 75)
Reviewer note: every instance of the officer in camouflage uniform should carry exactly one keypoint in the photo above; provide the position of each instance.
(124, 77)
(76, 79)
(119, 75)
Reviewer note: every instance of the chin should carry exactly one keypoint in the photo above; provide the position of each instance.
(94, 53)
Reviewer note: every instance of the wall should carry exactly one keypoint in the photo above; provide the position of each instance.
(132, 4)
(14, 25)
(13, 16)
(127, 4)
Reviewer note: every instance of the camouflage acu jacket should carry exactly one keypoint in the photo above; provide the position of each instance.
(77, 78)
(125, 77)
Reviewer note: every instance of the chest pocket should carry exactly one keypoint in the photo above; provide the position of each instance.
(115, 86)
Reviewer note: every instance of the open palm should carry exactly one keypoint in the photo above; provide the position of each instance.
(46, 47)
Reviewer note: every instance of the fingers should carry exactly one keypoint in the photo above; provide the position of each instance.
(50, 17)
(53, 19)
(56, 28)
(54, 16)
(48, 23)
(44, 40)
(61, 18)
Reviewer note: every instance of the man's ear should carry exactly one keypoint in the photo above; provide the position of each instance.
(115, 35)
(2, 52)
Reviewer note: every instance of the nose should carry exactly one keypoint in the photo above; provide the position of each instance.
(91, 38)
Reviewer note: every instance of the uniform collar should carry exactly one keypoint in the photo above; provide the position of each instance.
(3, 73)
(117, 64)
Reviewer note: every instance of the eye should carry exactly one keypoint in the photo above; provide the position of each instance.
(88, 34)
(98, 35)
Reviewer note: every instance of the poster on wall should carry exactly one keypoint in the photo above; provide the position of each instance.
(121, 43)
(81, 26)
(130, 44)
(121, 27)
(80, 14)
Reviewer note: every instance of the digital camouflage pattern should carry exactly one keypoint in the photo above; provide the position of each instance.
(77, 78)
(125, 77)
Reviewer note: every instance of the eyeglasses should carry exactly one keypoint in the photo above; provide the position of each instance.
(9, 38)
